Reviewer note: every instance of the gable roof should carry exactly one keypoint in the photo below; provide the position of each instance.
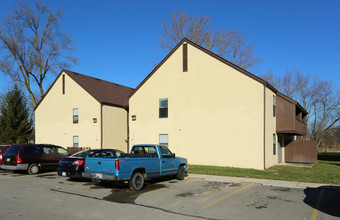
(104, 92)
(245, 72)
(185, 40)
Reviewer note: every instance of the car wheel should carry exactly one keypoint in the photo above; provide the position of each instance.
(137, 181)
(181, 173)
(33, 169)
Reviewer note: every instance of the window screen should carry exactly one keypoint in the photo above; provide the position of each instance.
(75, 141)
(163, 140)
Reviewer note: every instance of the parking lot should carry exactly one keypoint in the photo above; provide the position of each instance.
(48, 196)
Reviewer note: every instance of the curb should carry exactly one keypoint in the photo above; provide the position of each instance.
(223, 181)
(263, 182)
(284, 186)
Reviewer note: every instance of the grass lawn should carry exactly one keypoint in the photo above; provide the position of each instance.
(327, 171)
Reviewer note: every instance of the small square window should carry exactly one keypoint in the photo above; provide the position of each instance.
(164, 140)
(75, 116)
(75, 141)
(163, 108)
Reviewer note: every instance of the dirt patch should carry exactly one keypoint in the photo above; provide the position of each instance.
(188, 194)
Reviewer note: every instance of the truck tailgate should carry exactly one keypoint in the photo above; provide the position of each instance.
(99, 165)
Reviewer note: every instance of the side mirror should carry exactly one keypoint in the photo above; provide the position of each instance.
(173, 155)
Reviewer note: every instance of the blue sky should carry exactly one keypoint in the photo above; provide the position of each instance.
(118, 41)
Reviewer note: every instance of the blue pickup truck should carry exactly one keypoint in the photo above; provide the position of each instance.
(144, 162)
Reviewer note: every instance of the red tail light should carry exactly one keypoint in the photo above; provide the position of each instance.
(78, 162)
(19, 160)
(117, 166)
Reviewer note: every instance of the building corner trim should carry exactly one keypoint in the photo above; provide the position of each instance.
(264, 126)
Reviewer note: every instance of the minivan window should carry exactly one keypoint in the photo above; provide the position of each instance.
(13, 150)
(34, 150)
(48, 150)
(62, 151)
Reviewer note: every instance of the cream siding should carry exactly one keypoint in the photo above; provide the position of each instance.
(54, 116)
(114, 128)
(216, 114)
(271, 159)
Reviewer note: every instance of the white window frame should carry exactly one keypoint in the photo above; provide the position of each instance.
(75, 141)
(75, 115)
(164, 140)
(162, 108)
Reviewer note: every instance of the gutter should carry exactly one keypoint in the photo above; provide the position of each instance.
(128, 132)
(101, 126)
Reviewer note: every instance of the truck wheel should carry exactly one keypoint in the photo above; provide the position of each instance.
(33, 169)
(181, 173)
(137, 181)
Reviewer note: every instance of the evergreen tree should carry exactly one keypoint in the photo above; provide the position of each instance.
(16, 125)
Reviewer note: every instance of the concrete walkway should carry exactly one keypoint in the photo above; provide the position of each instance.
(265, 182)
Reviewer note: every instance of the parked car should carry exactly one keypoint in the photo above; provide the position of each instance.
(144, 162)
(73, 166)
(33, 157)
(3, 148)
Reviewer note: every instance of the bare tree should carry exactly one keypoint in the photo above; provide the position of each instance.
(32, 46)
(230, 45)
(272, 79)
(326, 110)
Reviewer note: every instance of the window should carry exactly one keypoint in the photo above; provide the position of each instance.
(118, 153)
(138, 150)
(107, 154)
(145, 150)
(75, 141)
(48, 150)
(75, 116)
(163, 140)
(163, 108)
(150, 150)
(34, 150)
(274, 144)
(274, 106)
(165, 152)
(62, 151)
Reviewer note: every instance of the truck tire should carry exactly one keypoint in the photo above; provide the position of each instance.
(137, 181)
(181, 173)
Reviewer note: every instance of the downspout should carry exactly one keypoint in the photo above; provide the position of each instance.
(264, 126)
(101, 126)
(128, 132)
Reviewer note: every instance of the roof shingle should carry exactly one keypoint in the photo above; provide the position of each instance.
(106, 93)
(103, 91)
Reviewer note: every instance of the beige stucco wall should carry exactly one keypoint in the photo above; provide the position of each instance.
(215, 112)
(54, 116)
(271, 159)
(114, 128)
